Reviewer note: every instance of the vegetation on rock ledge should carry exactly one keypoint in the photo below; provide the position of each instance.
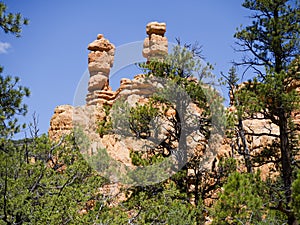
(45, 182)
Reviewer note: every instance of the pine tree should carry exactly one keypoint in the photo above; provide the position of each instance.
(11, 22)
(273, 37)
(47, 183)
(11, 96)
(11, 93)
(180, 90)
(272, 44)
(237, 118)
(243, 201)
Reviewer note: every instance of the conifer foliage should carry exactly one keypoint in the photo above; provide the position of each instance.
(271, 50)
(45, 182)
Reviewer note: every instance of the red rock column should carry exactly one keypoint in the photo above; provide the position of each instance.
(155, 45)
(100, 61)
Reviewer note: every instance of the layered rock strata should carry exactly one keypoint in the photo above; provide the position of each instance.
(100, 61)
(156, 44)
(61, 122)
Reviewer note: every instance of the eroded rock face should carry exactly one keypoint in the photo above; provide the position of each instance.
(87, 118)
(61, 122)
(101, 44)
(137, 91)
(100, 61)
(155, 45)
(156, 28)
(97, 82)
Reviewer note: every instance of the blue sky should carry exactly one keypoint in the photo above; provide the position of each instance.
(51, 55)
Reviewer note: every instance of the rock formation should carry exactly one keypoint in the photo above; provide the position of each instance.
(156, 44)
(61, 122)
(100, 61)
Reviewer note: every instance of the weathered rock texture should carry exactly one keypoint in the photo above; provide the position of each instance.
(156, 44)
(61, 122)
(100, 61)
(137, 91)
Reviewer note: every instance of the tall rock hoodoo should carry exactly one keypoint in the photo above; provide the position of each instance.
(100, 61)
(156, 44)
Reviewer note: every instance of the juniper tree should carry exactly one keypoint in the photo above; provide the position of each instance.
(47, 183)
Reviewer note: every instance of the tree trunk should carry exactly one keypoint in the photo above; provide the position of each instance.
(246, 150)
(196, 192)
(286, 165)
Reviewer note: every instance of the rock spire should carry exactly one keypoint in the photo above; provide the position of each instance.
(156, 44)
(100, 61)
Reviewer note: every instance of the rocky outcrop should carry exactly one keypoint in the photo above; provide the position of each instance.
(156, 44)
(100, 61)
(61, 122)
(136, 91)
(138, 87)
(118, 148)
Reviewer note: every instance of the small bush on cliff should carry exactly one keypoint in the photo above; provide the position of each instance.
(105, 125)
